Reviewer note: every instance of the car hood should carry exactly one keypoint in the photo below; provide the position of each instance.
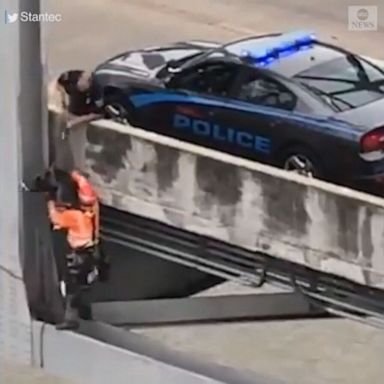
(146, 63)
(132, 64)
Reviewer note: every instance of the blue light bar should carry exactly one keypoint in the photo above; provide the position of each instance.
(281, 46)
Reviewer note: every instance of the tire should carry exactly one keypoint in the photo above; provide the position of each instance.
(303, 161)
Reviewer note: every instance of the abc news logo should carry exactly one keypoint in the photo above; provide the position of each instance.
(363, 18)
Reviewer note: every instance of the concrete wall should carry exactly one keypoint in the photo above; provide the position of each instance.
(257, 207)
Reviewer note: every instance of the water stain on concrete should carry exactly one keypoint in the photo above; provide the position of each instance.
(219, 184)
(219, 180)
(284, 205)
(106, 151)
(167, 170)
(347, 215)
(366, 238)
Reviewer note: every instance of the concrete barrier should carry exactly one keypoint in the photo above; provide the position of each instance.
(261, 208)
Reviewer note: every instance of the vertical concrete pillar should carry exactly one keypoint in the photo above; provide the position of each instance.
(24, 230)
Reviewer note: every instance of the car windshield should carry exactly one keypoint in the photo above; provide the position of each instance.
(155, 59)
(345, 83)
(178, 54)
(178, 57)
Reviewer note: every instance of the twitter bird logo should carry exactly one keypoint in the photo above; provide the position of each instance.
(10, 17)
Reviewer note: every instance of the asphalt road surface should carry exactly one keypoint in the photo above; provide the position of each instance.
(309, 352)
(92, 30)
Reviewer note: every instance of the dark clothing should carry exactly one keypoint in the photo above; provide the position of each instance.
(84, 103)
(69, 79)
(81, 264)
(81, 103)
(80, 273)
(59, 185)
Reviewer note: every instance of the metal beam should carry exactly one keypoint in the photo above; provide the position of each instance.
(206, 309)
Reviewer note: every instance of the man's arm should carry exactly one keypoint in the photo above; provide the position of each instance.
(73, 120)
(96, 109)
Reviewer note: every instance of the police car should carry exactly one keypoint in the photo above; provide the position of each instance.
(284, 99)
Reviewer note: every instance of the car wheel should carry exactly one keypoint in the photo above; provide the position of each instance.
(302, 161)
(125, 112)
(120, 110)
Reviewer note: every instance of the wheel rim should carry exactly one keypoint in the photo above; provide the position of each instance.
(123, 113)
(120, 108)
(300, 164)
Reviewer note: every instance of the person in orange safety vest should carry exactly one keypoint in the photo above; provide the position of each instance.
(90, 203)
(73, 207)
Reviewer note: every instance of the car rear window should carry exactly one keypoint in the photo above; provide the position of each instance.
(347, 82)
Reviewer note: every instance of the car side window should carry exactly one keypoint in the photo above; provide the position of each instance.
(212, 79)
(264, 91)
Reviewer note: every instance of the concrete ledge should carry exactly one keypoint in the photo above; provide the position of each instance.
(260, 208)
(212, 309)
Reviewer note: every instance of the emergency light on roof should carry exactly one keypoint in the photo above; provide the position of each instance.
(281, 46)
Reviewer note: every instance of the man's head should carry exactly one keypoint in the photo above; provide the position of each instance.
(60, 186)
(75, 79)
(66, 191)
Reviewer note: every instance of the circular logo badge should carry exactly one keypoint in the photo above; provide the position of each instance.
(362, 14)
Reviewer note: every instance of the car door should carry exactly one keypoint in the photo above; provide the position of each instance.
(189, 108)
(258, 112)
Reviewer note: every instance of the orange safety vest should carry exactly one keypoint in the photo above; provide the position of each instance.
(79, 225)
(86, 192)
(89, 199)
